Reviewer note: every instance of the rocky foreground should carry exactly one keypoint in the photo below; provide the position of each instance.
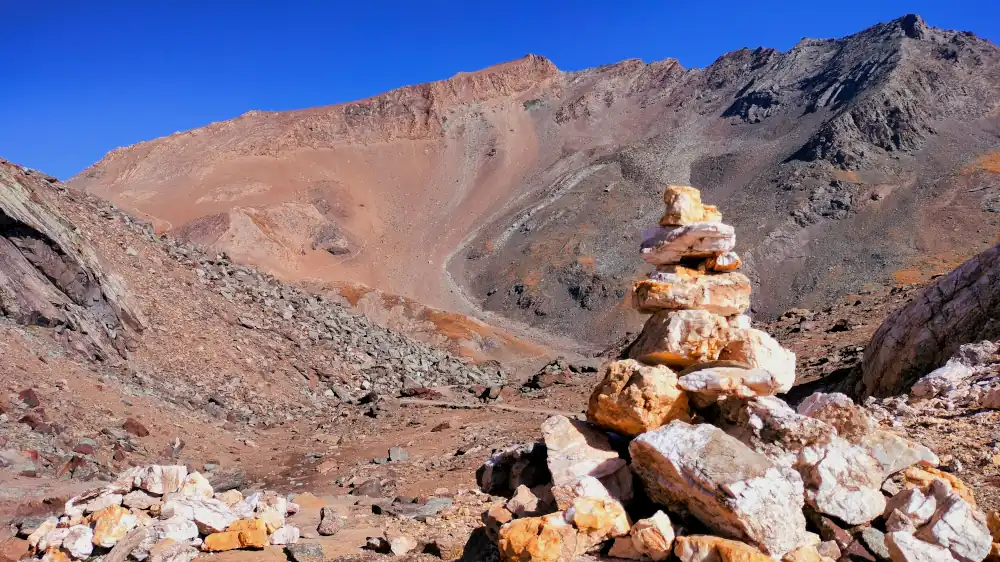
(706, 463)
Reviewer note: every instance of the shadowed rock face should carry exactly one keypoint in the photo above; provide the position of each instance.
(523, 190)
(49, 277)
(960, 307)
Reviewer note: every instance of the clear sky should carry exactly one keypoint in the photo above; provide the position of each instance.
(81, 78)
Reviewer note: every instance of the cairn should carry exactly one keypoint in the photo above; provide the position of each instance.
(688, 454)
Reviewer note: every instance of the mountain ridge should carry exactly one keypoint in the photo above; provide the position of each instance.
(511, 206)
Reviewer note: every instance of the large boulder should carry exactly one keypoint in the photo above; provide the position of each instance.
(680, 338)
(964, 305)
(50, 277)
(680, 288)
(735, 491)
(634, 398)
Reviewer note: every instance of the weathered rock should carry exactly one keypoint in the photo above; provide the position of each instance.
(727, 486)
(771, 427)
(495, 517)
(54, 555)
(303, 552)
(653, 537)
(942, 381)
(196, 485)
(729, 261)
(509, 468)
(703, 548)
(229, 497)
(681, 338)
(874, 540)
(707, 386)
(135, 427)
(680, 288)
(419, 511)
(159, 480)
(623, 548)
(13, 549)
(760, 351)
(993, 523)
(209, 514)
(285, 535)
(79, 541)
(329, 523)
(956, 525)
(597, 520)
(524, 503)
(398, 454)
(963, 304)
(169, 550)
(619, 484)
(111, 524)
(272, 509)
(851, 420)
(923, 476)
(400, 545)
(53, 539)
(139, 500)
(684, 206)
(538, 539)
(587, 487)
(52, 277)
(94, 500)
(253, 532)
(634, 398)
(895, 453)
(904, 547)
(842, 480)
(913, 504)
(667, 246)
(898, 521)
(175, 528)
(221, 542)
(576, 449)
(371, 488)
(828, 549)
(806, 554)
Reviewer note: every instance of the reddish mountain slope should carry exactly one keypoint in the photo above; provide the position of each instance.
(521, 189)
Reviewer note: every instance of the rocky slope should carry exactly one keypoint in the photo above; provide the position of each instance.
(111, 334)
(517, 188)
(712, 462)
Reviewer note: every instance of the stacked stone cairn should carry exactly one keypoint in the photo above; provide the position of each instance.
(688, 454)
(162, 514)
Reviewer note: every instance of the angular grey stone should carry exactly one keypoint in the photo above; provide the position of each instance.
(735, 491)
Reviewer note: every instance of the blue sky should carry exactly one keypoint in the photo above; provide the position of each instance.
(82, 78)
